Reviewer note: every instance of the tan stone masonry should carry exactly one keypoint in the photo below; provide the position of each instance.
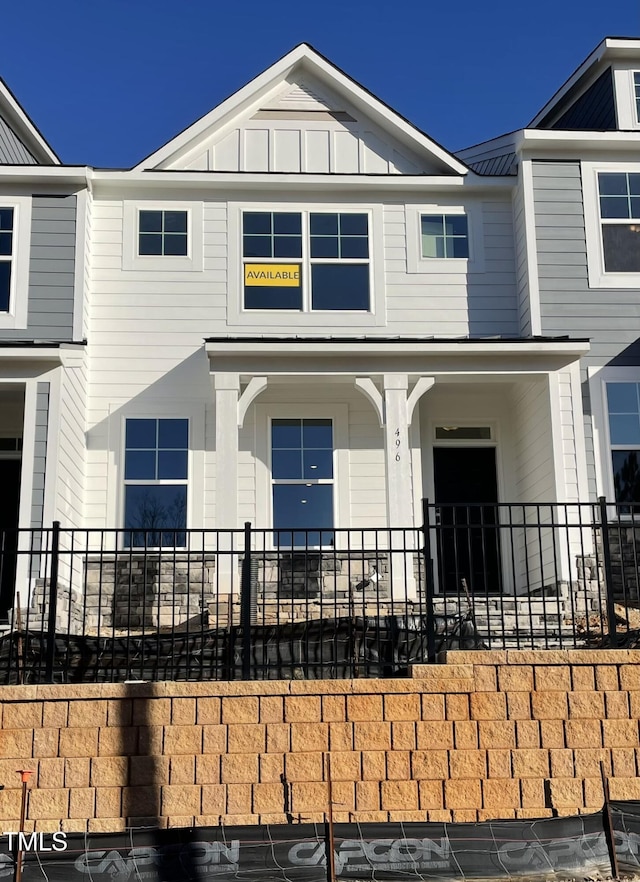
(483, 735)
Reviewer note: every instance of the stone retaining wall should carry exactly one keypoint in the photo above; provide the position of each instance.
(484, 735)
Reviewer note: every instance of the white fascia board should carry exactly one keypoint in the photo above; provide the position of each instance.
(608, 50)
(66, 352)
(180, 180)
(305, 56)
(336, 347)
(530, 139)
(24, 127)
(32, 174)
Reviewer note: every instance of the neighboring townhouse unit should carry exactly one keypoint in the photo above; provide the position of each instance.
(41, 332)
(305, 314)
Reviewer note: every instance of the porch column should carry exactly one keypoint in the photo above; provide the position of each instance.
(227, 393)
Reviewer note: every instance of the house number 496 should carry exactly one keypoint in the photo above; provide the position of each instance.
(397, 434)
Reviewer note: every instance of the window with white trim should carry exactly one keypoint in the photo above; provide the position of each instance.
(306, 261)
(155, 482)
(444, 236)
(6, 256)
(162, 233)
(163, 236)
(302, 480)
(623, 412)
(619, 204)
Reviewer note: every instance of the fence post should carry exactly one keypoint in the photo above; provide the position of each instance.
(245, 603)
(428, 577)
(53, 600)
(608, 574)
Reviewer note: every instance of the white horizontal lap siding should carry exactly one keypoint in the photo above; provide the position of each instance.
(455, 303)
(366, 466)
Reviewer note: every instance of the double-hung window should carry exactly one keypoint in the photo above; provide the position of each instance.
(302, 477)
(7, 245)
(306, 261)
(155, 477)
(619, 204)
(623, 405)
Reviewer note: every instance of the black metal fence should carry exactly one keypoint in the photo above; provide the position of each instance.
(107, 605)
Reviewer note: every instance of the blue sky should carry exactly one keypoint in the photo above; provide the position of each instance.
(109, 81)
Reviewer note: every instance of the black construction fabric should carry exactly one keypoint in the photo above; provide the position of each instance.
(315, 649)
(535, 850)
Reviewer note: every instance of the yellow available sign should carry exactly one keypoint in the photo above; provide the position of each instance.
(267, 275)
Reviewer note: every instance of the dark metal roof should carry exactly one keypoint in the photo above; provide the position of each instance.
(39, 344)
(369, 338)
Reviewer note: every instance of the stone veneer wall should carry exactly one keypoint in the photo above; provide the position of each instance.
(485, 735)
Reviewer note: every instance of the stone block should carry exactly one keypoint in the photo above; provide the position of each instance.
(430, 795)
(238, 800)
(76, 771)
(462, 794)
(552, 733)
(333, 708)
(84, 714)
(108, 802)
(561, 763)
(244, 709)
(464, 816)
(457, 707)
(515, 678)
(305, 737)
(498, 793)
(50, 774)
(468, 763)
(586, 706)
(497, 733)
(583, 678)
(119, 712)
(109, 771)
(151, 711)
(303, 709)
(519, 705)
(624, 762)
(113, 741)
(278, 738)
(181, 799)
(106, 825)
(465, 734)
(630, 677)
(374, 765)
(485, 678)
(530, 763)
(593, 792)
(616, 705)
(372, 736)
(310, 797)
(429, 764)
(246, 738)
(214, 798)
(304, 767)
(499, 763)
(22, 715)
(183, 740)
(440, 816)
(214, 739)
(624, 788)
(182, 770)
(607, 678)
(549, 705)
(82, 802)
(488, 706)
(532, 793)
(367, 796)
(238, 768)
(587, 762)
(208, 710)
(528, 733)
(46, 742)
(78, 742)
(620, 733)
(268, 798)
(398, 766)
(400, 707)
(399, 795)
(436, 734)
(403, 736)
(566, 792)
(433, 707)
(54, 714)
(552, 678)
(183, 711)
(583, 733)
(346, 765)
(365, 708)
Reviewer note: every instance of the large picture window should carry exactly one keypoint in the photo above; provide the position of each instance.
(619, 203)
(155, 475)
(302, 481)
(623, 404)
(306, 261)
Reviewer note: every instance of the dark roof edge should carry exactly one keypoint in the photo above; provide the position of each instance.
(375, 339)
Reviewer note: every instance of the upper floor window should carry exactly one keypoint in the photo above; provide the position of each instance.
(163, 233)
(619, 200)
(6, 256)
(444, 235)
(636, 94)
(306, 261)
(155, 477)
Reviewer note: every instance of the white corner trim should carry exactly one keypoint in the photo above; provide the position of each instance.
(535, 317)
(560, 478)
(50, 508)
(80, 294)
(422, 385)
(578, 433)
(371, 391)
(254, 387)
